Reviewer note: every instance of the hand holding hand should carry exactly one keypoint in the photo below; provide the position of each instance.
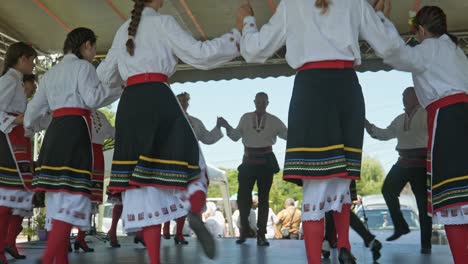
(221, 122)
(379, 5)
(18, 120)
(244, 10)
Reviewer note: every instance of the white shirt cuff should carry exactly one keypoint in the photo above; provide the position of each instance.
(250, 25)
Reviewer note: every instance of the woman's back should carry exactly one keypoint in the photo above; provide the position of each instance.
(160, 42)
(314, 34)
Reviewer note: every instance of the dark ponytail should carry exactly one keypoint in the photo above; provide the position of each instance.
(134, 22)
(434, 20)
(15, 52)
(76, 38)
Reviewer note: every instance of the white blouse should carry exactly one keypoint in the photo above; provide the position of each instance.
(412, 137)
(256, 134)
(311, 36)
(159, 43)
(202, 134)
(71, 83)
(102, 129)
(12, 99)
(438, 66)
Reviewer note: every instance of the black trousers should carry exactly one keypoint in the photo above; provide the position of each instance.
(392, 186)
(248, 175)
(355, 223)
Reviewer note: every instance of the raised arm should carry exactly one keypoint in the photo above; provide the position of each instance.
(203, 55)
(258, 46)
(95, 94)
(108, 71)
(282, 130)
(205, 136)
(235, 133)
(382, 134)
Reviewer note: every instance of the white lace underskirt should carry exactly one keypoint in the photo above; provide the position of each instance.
(457, 215)
(74, 209)
(321, 196)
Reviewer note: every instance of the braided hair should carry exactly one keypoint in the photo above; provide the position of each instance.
(15, 52)
(134, 22)
(76, 38)
(322, 4)
(434, 20)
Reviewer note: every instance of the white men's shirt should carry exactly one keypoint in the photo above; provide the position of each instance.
(159, 43)
(12, 100)
(102, 129)
(255, 135)
(312, 36)
(413, 135)
(202, 134)
(438, 66)
(73, 82)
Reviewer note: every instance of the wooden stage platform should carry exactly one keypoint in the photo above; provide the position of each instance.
(279, 252)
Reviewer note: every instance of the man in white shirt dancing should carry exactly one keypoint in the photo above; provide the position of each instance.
(410, 130)
(258, 131)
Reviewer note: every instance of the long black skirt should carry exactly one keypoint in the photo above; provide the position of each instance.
(326, 126)
(154, 143)
(65, 160)
(448, 155)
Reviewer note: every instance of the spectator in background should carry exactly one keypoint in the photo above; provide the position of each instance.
(290, 219)
(214, 220)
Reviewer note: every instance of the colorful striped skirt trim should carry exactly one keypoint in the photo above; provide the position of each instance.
(154, 143)
(326, 124)
(97, 178)
(447, 164)
(16, 160)
(65, 161)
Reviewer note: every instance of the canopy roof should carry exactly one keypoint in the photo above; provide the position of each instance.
(44, 23)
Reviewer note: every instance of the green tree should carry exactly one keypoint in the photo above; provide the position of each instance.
(372, 177)
(110, 115)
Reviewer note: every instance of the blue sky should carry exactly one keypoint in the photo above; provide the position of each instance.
(231, 99)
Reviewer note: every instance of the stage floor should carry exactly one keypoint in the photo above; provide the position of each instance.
(279, 252)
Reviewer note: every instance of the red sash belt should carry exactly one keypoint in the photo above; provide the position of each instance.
(146, 78)
(75, 111)
(328, 64)
(448, 100)
(71, 111)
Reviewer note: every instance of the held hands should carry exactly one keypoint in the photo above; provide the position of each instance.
(18, 120)
(384, 6)
(244, 10)
(221, 122)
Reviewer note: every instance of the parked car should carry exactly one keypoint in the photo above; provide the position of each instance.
(374, 213)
